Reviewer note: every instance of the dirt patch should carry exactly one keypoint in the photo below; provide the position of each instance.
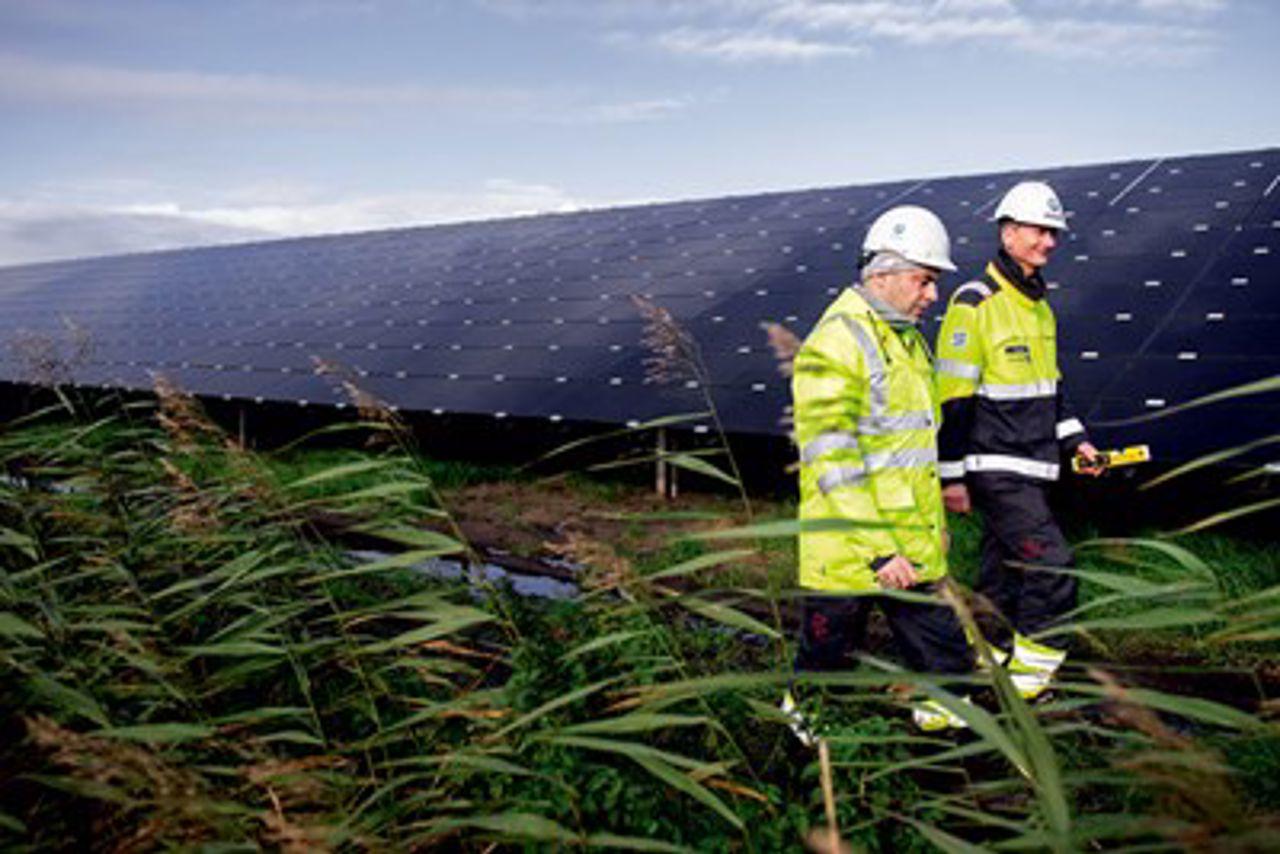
(541, 519)
(610, 529)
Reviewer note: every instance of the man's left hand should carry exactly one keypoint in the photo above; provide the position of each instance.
(955, 497)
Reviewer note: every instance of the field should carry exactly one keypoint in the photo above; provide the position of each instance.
(207, 647)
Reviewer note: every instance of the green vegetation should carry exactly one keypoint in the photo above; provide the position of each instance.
(190, 659)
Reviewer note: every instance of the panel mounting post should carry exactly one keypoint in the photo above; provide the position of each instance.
(662, 469)
(665, 483)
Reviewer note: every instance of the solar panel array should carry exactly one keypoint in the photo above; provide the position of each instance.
(1165, 288)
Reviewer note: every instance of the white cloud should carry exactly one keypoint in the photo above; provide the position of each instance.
(1147, 44)
(273, 99)
(741, 47)
(997, 22)
(1055, 29)
(1194, 7)
(151, 13)
(1184, 5)
(495, 198)
(28, 78)
(1145, 31)
(38, 231)
(616, 10)
(927, 30)
(629, 112)
(32, 232)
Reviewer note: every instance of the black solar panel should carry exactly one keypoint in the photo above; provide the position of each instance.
(1165, 288)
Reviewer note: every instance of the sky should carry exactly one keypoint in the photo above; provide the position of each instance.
(129, 125)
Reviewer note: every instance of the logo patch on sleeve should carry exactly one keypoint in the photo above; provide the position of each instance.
(959, 338)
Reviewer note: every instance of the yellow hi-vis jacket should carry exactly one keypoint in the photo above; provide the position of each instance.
(866, 418)
(1004, 406)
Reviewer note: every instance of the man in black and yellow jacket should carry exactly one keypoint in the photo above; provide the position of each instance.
(1007, 427)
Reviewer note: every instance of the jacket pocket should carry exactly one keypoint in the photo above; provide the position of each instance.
(893, 493)
(1016, 354)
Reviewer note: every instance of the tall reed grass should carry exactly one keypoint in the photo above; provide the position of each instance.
(187, 662)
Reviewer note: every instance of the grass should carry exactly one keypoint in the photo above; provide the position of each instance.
(446, 474)
(190, 661)
(1239, 567)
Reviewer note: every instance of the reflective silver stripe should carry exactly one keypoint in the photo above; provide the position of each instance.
(841, 476)
(1069, 427)
(954, 368)
(980, 287)
(1018, 391)
(877, 425)
(1031, 684)
(910, 458)
(951, 470)
(1038, 656)
(824, 443)
(1018, 465)
(877, 377)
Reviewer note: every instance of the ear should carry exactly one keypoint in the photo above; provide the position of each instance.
(874, 283)
(1006, 232)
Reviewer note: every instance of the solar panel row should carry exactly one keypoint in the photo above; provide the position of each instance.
(1164, 288)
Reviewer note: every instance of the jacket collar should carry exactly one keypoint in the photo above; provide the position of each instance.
(890, 315)
(1032, 287)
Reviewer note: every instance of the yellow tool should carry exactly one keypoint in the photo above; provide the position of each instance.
(1110, 459)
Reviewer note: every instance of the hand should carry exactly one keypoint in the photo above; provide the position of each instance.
(1092, 465)
(898, 573)
(955, 497)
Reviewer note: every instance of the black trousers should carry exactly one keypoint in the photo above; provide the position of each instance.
(929, 636)
(1018, 529)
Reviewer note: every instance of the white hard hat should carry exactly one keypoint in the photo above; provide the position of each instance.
(1035, 203)
(913, 232)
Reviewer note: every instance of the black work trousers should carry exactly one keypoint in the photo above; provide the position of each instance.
(1019, 534)
(929, 636)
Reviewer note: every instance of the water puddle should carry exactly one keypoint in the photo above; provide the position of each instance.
(478, 576)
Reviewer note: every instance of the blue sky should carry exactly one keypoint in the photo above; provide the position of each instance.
(137, 124)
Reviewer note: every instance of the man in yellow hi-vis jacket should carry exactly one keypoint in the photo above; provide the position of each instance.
(866, 419)
(1007, 425)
